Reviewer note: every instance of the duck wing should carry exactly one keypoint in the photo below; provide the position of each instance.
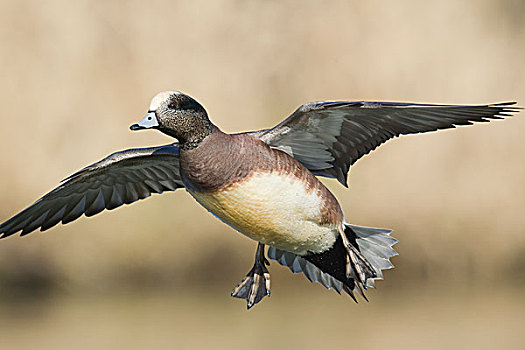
(328, 137)
(121, 178)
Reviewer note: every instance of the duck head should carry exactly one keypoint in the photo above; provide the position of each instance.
(177, 115)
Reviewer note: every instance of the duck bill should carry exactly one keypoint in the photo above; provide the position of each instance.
(148, 122)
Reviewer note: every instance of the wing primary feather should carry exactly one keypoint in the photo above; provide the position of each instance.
(131, 193)
(53, 218)
(33, 225)
(142, 190)
(122, 177)
(97, 205)
(73, 212)
(115, 199)
(328, 137)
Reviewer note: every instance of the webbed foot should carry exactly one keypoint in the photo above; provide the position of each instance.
(256, 285)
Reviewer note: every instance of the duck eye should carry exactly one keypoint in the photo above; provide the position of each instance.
(172, 106)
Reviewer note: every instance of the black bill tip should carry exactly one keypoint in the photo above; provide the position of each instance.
(135, 127)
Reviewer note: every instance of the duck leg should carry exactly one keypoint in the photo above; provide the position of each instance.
(357, 267)
(256, 284)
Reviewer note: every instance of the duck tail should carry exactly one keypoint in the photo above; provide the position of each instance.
(353, 263)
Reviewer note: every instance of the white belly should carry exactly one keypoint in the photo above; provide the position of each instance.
(274, 209)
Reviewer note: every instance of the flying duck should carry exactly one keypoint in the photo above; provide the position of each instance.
(263, 184)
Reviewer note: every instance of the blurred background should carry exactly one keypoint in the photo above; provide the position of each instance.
(75, 74)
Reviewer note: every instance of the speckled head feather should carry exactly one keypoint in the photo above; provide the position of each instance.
(180, 116)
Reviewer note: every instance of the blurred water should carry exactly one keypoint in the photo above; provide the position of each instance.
(415, 318)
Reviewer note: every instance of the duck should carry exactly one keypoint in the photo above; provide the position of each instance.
(264, 184)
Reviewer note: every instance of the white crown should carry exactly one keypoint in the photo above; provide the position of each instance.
(160, 98)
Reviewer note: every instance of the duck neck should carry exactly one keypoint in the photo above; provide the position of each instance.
(195, 139)
(191, 139)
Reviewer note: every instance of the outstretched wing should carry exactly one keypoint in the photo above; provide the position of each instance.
(121, 178)
(328, 137)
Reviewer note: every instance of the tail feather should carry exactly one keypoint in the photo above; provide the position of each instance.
(340, 269)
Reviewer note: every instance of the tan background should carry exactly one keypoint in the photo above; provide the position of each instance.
(75, 74)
